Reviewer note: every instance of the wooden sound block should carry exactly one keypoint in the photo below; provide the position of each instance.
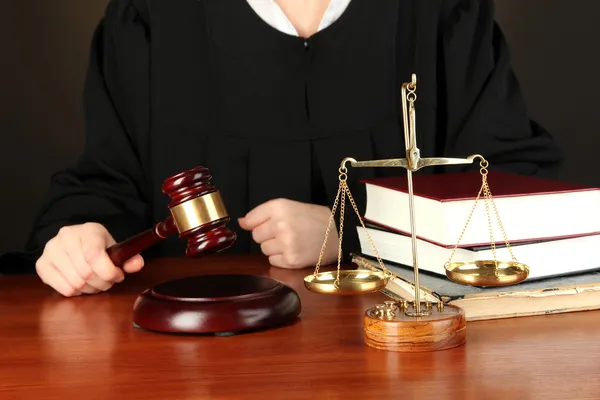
(216, 304)
(390, 327)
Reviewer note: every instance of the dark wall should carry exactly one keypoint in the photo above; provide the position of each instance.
(45, 48)
(556, 56)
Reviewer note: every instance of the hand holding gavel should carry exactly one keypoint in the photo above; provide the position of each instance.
(77, 260)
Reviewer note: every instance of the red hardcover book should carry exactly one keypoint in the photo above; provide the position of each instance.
(530, 209)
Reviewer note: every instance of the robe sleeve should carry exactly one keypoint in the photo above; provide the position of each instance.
(106, 184)
(484, 109)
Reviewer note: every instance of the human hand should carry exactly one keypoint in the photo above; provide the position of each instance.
(75, 261)
(291, 233)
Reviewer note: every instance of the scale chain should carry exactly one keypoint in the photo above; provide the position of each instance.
(331, 217)
(340, 199)
(488, 198)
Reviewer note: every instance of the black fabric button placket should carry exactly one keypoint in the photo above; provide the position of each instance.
(307, 66)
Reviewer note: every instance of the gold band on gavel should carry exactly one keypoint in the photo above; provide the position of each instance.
(199, 211)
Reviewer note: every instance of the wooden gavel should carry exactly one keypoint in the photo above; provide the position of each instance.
(198, 215)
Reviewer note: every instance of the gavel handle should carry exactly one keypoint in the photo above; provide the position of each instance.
(121, 252)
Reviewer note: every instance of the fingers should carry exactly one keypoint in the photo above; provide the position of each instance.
(52, 277)
(68, 258)
(75, 261)
(264, 232)
(277, 260)
(134, 264)
(62, 263)
(254, 218)
(250, 222)
(288, 261)
(268, 223)
(262, 213)
(93, 247)
(272, 247)
(108, 239)
(264, 220)
(291, 233)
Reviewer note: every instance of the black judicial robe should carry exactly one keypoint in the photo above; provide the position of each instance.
(179, 83)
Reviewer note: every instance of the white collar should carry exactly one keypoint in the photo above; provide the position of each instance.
(272, 14)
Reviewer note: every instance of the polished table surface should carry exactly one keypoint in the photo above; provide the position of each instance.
(86, 348)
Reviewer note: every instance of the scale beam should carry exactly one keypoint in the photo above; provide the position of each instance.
(403, 162)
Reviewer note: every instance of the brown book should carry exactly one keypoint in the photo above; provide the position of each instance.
(575, 292)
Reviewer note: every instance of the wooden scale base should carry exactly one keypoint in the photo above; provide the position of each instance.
(393, 327)
(216, 304)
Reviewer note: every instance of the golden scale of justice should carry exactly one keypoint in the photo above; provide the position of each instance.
(403, 325)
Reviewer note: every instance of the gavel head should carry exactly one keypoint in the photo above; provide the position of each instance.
(198, 212)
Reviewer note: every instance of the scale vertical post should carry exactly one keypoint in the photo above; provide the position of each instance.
(409, 97)
(415, 256)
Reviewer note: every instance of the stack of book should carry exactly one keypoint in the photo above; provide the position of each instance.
(552, 226)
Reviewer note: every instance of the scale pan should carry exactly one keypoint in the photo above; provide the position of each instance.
(487, 273)
(351, 282)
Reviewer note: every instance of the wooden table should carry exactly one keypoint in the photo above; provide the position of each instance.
(87, 348)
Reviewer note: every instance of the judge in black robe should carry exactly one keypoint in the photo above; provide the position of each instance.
(175, 84)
